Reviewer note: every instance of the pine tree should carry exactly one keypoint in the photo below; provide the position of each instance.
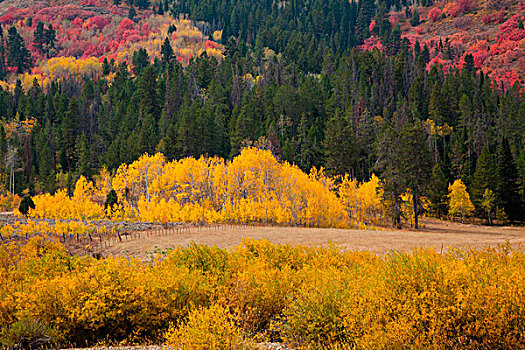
(366, 11)
(166, 52)
(339, 145)
(40, 38)
(132, 13)
(148, 93)
(437, 191)
(2, 54)
(140, 60)
(50, 39)
(17, 54)
(84, 157)
(483, 178)
(507, 183)
(468, 66)
(415, 164)
(414, 20)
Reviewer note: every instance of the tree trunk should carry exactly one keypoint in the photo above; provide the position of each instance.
(415, 199)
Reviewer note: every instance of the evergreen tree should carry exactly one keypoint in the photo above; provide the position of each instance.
(132, 13)
(148, 93)
(142, 4)
(2, 54)
(140, 60)
(366, 12)
(17, 54)
(415, 164)
(339, 145)
(84, 157)
(483, 178)
(40, 37)
(166, 52)
(468, 66)
(51, 38)
(437, 191)
(507, 183)
(414, 20)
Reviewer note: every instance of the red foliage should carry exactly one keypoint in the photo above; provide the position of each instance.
(77, 22)
(6, 19)
(372, 25)
(434, 61)
(126, 24)
(98, 22)
(210, 44)
(372, 43)
(452, 9)
(510, 24)
(393, 18)
(434, 14)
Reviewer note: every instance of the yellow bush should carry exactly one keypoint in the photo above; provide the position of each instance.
(206, 329)
(309, 297)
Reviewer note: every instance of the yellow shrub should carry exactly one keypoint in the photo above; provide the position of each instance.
(206, 329)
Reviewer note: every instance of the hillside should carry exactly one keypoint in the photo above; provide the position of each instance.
(491, 31)
(89, 31)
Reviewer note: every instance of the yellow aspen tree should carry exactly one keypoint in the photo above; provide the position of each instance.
(459, 200)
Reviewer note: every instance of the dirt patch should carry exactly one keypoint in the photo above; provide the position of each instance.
(438, 235)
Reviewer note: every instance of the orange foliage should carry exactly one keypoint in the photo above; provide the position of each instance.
(254, 187)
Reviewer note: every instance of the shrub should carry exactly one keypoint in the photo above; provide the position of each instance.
(206, 329)
(28, 333)
(26, 204)
(434, 14)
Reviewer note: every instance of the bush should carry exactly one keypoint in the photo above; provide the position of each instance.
(206, 329)
(26, 204)
(28, 333)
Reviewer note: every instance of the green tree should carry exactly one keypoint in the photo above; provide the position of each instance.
(507, 183)
(132, 13)
(339, 145)
(17, 54)
(39, 37)
(140, 60)
(415, 164)
(148, 93)
(166, 51)
(111, 200)
(437, 191)
(26, 204)
(483, 178)
(414, 20)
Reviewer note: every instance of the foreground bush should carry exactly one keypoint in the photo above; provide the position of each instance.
(306, 297)
(206, 329)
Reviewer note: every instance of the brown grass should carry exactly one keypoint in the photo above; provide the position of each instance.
(435, 234)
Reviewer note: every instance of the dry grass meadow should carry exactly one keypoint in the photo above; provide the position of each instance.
(438, 235)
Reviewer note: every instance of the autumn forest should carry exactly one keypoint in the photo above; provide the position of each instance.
(357, 115)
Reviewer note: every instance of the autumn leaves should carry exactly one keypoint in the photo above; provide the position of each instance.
(253, 187)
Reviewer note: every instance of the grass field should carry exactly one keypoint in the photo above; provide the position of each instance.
(439, 235)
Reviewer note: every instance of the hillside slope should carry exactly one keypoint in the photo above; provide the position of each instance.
(89, 31)
(491, 31)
